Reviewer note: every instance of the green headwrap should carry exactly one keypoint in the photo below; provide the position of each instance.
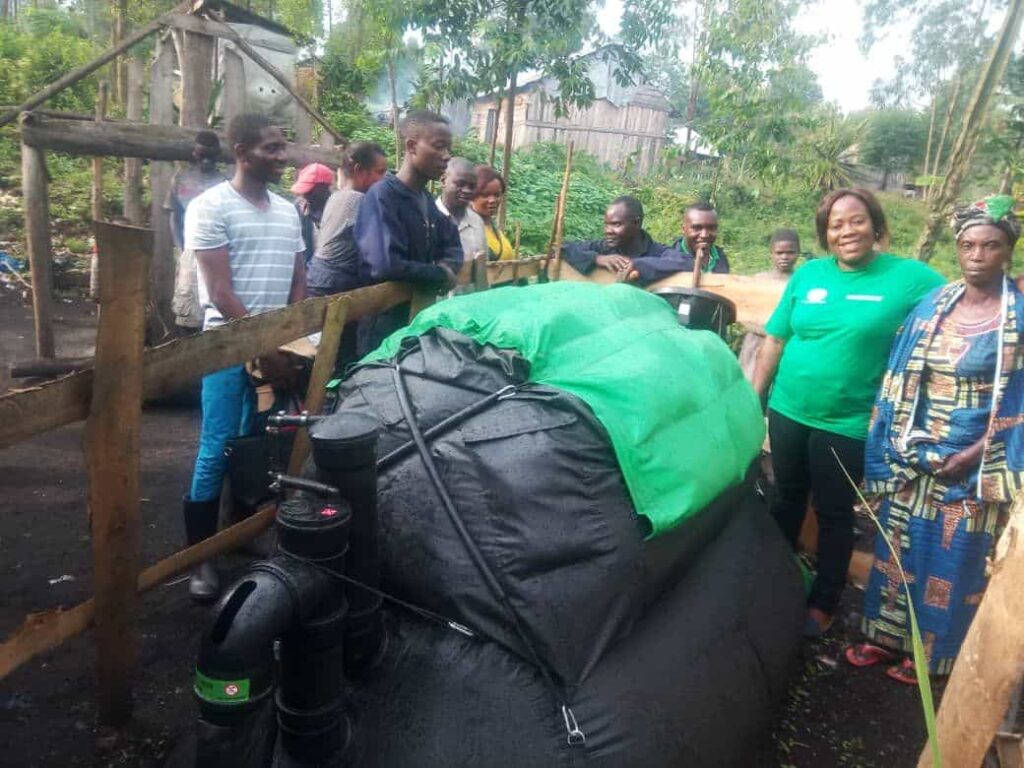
(996, 210)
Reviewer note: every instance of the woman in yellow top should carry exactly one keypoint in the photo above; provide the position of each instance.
(490, 190)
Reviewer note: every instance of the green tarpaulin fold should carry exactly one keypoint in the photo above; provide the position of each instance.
(683, 421)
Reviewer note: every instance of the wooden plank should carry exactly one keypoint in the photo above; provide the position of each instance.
(112, 458)
(36, 200)
(162, 265)
(234, 89)
(43, 631)
(323, 372)
(84, 71)
(196, 78)
(503, 271)
(172, 365)
(988, 667)
(208, 26)
(755, 298)
(154, 142)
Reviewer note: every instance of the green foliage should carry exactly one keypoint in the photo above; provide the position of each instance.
(41, 47)
(894, 140)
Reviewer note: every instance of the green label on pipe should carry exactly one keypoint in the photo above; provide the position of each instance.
(221, 691)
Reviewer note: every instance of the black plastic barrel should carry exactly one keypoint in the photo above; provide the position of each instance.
(700, 310)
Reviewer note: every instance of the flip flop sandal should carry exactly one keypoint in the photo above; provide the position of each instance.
(868, 654)
(903, 672)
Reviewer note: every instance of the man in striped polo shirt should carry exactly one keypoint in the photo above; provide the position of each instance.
(249, 249)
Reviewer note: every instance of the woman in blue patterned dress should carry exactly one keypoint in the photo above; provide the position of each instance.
(945, 451)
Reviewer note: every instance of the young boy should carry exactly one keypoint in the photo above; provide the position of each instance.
(784, 250)
(400, 233)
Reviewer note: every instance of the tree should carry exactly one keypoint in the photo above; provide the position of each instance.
(974, 120)
(894, 141)
(760, 93)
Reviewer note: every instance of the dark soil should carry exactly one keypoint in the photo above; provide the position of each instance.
(834, 716)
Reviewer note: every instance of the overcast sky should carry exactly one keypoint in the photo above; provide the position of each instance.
(844, 73)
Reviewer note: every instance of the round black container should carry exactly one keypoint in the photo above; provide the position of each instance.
(313, 529)
(344, 442)
(700, 310)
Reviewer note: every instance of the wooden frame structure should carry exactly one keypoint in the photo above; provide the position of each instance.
(188, 38)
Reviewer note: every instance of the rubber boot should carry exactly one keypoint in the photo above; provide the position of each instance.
(200, 524)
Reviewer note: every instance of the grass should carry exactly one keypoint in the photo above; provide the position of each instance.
(920, 657)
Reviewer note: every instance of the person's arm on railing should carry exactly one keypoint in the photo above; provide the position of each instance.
(384, 250)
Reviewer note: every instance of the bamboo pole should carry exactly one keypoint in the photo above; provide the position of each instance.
(84, 71)
(112, 457)
(555, 248)
(36, 201)
(323, 372)
(988, 667)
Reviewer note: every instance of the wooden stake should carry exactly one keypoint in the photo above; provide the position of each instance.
(84, 71)
(555, 248)
(133, 210)
(36, 200)
(112, 457)
(162, 266)
(323, 372)
(97, 188)
(519, 235)
(988, 667)
(102, 94)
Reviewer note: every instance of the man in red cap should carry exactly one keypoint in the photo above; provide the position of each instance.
(311, 190)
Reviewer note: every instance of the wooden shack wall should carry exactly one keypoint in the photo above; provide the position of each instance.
(615, 135)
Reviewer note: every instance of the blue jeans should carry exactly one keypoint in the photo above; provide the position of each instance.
(229, 405)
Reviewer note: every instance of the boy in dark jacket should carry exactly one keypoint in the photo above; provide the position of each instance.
(400, 233)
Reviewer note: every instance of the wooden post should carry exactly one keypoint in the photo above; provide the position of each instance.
(519, 236)
(97, 188)
(196, 79)
(988, 667)
(234, 87)
(162, 266)
(36, 199)
(133, 210)
(112, 457)
(323, 372)
(555, 249)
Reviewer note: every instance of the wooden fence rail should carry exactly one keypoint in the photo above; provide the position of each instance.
(168, 367)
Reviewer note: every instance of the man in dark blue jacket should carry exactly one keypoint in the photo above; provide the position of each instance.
(626, 247)
(400, 233)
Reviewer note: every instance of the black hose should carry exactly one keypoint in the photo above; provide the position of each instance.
(471, 546)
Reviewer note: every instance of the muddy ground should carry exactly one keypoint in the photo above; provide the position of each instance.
(834, 716)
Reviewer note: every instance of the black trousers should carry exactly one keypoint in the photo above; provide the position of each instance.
(805, 467)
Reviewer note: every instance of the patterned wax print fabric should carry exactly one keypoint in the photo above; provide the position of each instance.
(937, 398)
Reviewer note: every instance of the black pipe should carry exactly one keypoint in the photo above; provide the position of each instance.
(345, 454)
(293, 599)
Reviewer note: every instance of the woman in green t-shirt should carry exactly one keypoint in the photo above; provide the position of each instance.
(823, 358)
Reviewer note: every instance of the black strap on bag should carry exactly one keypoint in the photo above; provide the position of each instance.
(575, 737)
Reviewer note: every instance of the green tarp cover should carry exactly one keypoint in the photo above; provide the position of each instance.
(683, 421)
